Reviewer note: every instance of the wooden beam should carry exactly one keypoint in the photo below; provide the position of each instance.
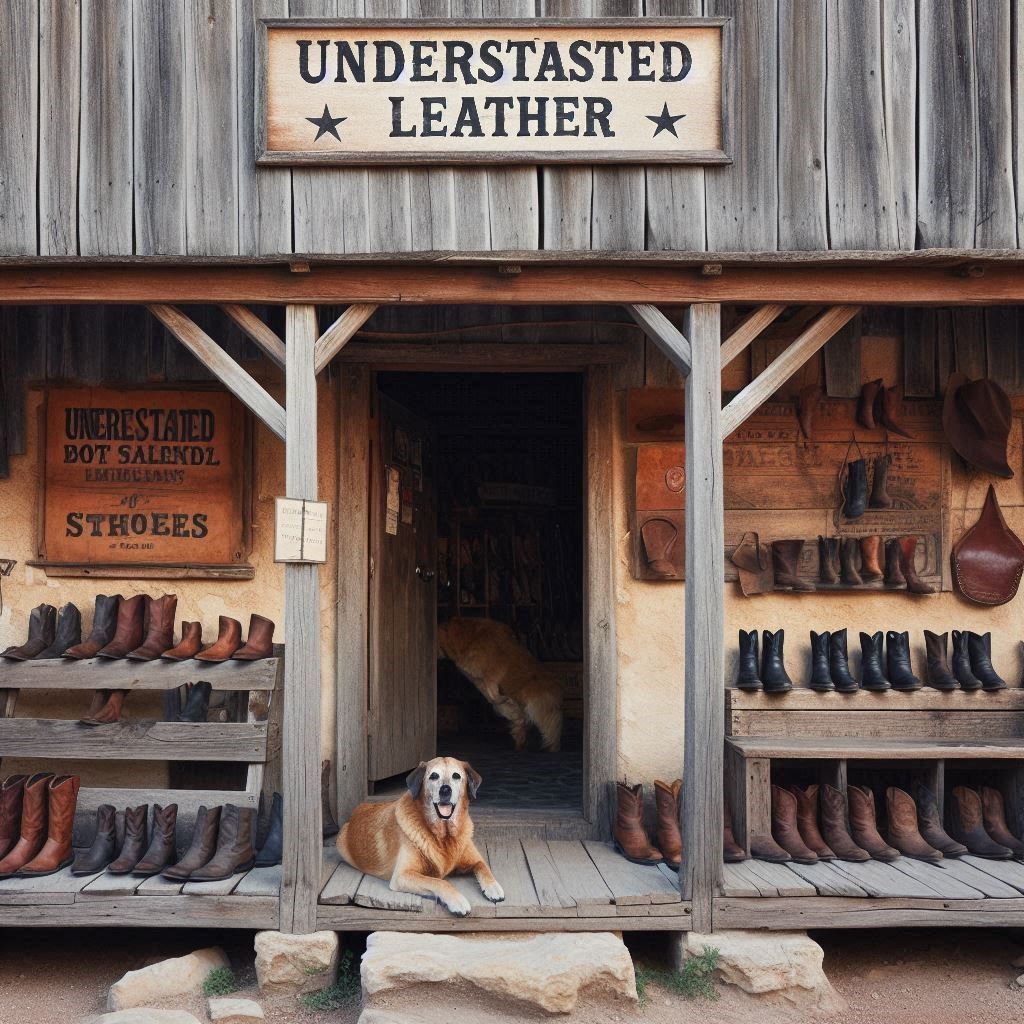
(239, 382)
(341, 332)
(704, 713)
(256, 331)
(303, 853)
(498, 355)
(663, 333)
(784, 366)
(748, 330)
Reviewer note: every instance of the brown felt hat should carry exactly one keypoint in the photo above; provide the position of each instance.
(976, 418)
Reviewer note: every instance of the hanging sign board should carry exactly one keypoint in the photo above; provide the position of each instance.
(628, 90)
(300, 530)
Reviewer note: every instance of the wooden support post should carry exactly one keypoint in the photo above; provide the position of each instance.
(303, 853)
(673, 344)
(700, 873)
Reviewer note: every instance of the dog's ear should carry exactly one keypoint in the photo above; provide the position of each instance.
(414, 780)
(474, 779)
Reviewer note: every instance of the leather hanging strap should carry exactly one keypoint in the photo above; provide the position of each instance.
(989, 558)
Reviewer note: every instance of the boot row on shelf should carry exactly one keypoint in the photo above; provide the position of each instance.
(880, 668)
(37, 818)
(811, 824)
(855, 561)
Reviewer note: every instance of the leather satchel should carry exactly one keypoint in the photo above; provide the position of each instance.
(989, 558)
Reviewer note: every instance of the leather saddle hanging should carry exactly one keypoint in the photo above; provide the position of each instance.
(989, 558)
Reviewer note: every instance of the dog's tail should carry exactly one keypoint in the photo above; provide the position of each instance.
(545, 711)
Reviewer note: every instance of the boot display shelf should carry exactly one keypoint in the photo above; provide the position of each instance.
(940, 739)
(246, 899)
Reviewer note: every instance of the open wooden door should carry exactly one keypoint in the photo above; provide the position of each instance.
(402, 697)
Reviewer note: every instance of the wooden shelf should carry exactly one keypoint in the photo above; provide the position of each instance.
(856, 748)
(802, 698)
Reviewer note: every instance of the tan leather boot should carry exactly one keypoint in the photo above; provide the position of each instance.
(34, 814)
(188, 646)
(864, 827)
(904, 834)
(229, 640)
(785, 830)
(631, 838)
(994, 816)
(670, 840)
(807, 821)
(110, 712)
(62, 795)
(871, 559)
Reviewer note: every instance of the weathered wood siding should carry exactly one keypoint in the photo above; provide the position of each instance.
(126, 128)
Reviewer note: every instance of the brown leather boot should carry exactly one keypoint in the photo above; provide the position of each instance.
(870, 395)
(110, 712)
(848, 562)
(34, 813)
(202, 847)
(871, 559)
(786, 560)
(131, 625)
(929, 822)
(828, 559)
(259, 641)
(864, 826)
(11, 793)
(670, 840)
(807, 821)
(103, 848)
(56, 853)
(136, 835)
(893, 572)
(765, 848)
(188, 646)
(904, 834)
(892, 411)
(159, 629)
(732, 852)
(162, 849)
(229, 640)
(834, 828)
(993, 815)
(880, 497)
(967, 824)
(908, 549)
(236, 850)
(104, 621)
(631, 838)
(42, 629)
(785, 830)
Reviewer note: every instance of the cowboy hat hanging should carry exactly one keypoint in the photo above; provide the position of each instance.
(976, 418)
(989, 558)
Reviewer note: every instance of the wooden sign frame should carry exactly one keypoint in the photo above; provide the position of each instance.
(266, 156)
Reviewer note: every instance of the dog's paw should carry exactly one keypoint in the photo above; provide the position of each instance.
(458, 905)
(493, 892)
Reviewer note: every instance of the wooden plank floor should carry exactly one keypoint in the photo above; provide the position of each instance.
(550, 885)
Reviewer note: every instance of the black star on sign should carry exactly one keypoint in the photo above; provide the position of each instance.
(325, 123)
(665, 121)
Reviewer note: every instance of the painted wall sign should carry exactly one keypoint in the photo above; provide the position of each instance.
(539, 91)
(150, 477)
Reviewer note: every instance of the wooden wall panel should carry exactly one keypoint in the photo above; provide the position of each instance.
(1017, 89)
(899, 91)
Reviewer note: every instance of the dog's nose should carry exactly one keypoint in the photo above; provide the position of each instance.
(445, 791)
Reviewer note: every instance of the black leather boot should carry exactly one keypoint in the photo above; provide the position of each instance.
(979, 647)
(69, 632)
(848, 552)
(749, 677)
(855, 489)
(962, 662)
(104, 845)
(773, 669)
(939, 675)
(42, 626)
(897, 649)
(821, 676)
(271, 851)
(104, 620)
(839, 662)
(198, 703)
(872, 677)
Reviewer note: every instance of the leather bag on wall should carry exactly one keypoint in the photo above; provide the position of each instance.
(989, 558)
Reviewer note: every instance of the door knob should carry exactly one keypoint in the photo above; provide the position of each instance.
(426, 575)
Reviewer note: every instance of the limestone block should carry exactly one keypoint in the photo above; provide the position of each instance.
(293, 964)
(547, 969)
(226, 1010)
(178, 976)
(144, 1015)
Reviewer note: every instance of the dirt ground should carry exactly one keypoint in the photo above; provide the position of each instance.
(899, 977)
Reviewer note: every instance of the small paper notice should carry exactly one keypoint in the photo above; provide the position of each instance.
(300, 530)
(394, 502)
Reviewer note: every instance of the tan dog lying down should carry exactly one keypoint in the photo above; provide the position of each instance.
(416, 842)
(518, 686)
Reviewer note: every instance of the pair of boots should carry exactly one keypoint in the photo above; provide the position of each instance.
(770, 675)
(223, 843)
(139, 853)
(258, 644)
(630, 834)
(971, 668)
(978, 820)
(50, 633)
(896, 672)
(37, 817)
(856, 499)
(854, 561)
(830, 663)
(879, 406)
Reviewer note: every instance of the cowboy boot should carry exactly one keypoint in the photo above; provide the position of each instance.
(198, 703)
(903, 831)
(834, 829)
(864, 827)
(821, 677)
(897, 650)
(962, 661)
(104, 845)
(871, 675)
(839, 662)
(828, 559)
(131, 624)
(135, 836)
(929, 822)
(99, 698)
(786, 561)
(870, 559)
(893, 573)
(908, 547)
(42, 626)
(749, 676)
(631, 838)
(11, 793)
(855, 489)
(271, 851)
(880, 482)
(773, 668)
(33, 833)
(765, 848)
(259, 641)
(229, 640)
(110, 710)
(104, 621)
(56, 854)
(732, 852)
(68, 633)
(939, 676)
(235, 850)
(967, 824)
(848, 562)
(807, 821)
(666, 803)
(869, 395)
(162, 850)
(202, 847)
(785, 830)
(159, 629)
(979, 647)
(188, 646)
(993, 815)
(892, 410)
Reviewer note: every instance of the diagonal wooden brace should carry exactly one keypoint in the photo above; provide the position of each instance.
(664, 334)
(340, 333)
(748, 330)
(257, 332)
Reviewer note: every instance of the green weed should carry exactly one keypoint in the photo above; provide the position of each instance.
(342, 993)
(693, 981)
(220, 982)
